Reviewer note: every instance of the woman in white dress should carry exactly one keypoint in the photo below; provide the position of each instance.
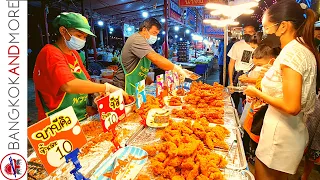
(289, 87)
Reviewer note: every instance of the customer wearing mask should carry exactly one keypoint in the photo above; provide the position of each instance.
(240, 60)
(137, 56)
(312, 153)
(59, 75)
(289, 87)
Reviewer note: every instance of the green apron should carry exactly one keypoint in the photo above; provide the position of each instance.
(139, 73)
(77, 101)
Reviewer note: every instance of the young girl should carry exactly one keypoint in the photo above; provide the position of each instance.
(263, 55)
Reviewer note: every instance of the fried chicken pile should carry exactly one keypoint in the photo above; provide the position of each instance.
(175, 101)
(213, 115)
(186, 152)
(151, 103)
(203, 95)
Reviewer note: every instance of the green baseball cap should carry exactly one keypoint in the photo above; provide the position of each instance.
(72, 20)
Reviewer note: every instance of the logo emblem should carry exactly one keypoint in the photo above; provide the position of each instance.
(13, 166)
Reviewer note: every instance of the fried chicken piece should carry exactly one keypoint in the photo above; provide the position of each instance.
(151, 150)
(172, 149)
(161, 157)
(188, 163)
(178, 178)
(194, 172)
(204, 122)
(143, 177)
(169, 172)
(209, 142)
(175, 162)
(202, 177)
(186, 149)
(157, 167)
(185, 172)
(216, 176)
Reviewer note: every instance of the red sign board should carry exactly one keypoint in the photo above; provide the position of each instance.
(112, 110)
(56, 136)
(194, 3)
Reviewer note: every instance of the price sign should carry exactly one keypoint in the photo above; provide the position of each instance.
(56, 136)
(170, 81)
(141, 93)
(160, 84)
(111, 110)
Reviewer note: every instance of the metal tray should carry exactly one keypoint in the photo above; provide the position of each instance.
(236, 156)
(231, 117)
(146, 136)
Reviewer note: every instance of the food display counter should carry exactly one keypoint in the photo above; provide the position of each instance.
(201, 140)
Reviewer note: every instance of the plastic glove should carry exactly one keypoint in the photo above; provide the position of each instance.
(111, 88)
(181, 72)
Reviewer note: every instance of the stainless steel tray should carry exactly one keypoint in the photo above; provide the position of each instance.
(231, 117)
(236, 156)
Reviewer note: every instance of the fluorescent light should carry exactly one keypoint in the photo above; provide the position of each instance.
(163, 20)
(176, 36)
(129, 29)
(163, 32)
(250, 11)
(158, 38)
(176, 28)
(100, 23)
(187, 31)
(145, 14)
(180, 39)
(111, 29)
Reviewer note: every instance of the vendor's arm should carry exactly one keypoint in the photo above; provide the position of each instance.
(160, 61)
(291, 101)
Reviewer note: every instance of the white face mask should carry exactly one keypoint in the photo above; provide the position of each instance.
(152, 39)
(74, 43)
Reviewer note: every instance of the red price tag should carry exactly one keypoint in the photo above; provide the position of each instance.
(111, 110)
(56, 136)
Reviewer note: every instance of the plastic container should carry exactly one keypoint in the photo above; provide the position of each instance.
(107, 73)
(104, 80)
(128, 107)
(95, 79)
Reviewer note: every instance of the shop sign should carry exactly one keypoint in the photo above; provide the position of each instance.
(56, 136)
(112, 110)
(209, 30)
(175, 12)
(194, 3)
(191, 18)
(141, 96)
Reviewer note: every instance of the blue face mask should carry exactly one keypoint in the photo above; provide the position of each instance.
(74, 43)
(152, 39)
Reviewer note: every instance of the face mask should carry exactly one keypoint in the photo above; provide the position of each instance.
(247, 37)
(74, 43)
(272, 40)
(152, 39)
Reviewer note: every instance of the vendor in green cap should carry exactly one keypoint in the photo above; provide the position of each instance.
(59, 75)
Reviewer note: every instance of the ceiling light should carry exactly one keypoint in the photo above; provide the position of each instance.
(100, 23)
(187, 31)
(176, 36)
(176, 28)
(163, 20)
(145, 14)
(163, 32)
